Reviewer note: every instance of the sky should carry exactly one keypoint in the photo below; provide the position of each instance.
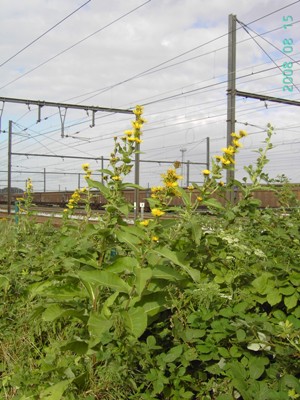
(169, 56)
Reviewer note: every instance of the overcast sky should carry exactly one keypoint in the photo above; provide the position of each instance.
(169, 55)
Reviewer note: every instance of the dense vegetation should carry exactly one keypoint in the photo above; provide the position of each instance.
(188, 307)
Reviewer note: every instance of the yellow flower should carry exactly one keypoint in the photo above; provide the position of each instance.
(225, 162)
(138, 110)
(145, 223)
(206, 172)
(237, 143)
(199, 198)
(83, 190)
(243, 133)
(116, 178)
(156, 212)
(228, 150)
(191, 187)
(136, 124)
(155, 238)
(155, 189)
(128, 133)
(85, 166)
(235, 135)
(221, 183)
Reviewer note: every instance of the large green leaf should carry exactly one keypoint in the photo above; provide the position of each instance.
(4, 282)
(166, 272)
(212, 203)
(176, 258)
(153, 303)
(135, 321)
(143, 276)
(131, 240)
(257, 366)
(54, 311)
(98, 185)
(123, 265)
(98, 325)
(105, 278)
(56, 391)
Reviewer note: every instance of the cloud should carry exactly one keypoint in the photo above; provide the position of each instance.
(126, 62)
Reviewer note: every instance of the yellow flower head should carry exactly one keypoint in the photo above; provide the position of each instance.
(235, 135)
(155, 238)
(237, 143)
(156, 212)
(243, 133)
(136, 124)
(85, 166)
(199, 198)
(206, 172)
(225, 161)
(138, 110)
(128, 133)
(116, 178)
(229, 150)
(190, 187)
(156, 189)
(145, 223)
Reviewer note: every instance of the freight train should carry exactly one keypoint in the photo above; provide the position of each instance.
(267, 197)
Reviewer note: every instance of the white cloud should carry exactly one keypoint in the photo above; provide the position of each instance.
(159, 31)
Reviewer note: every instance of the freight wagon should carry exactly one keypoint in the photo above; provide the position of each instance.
(267, 197)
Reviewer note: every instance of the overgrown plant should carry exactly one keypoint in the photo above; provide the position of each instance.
(188, 307)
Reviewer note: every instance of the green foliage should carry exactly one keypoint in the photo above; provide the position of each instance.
(190, 307)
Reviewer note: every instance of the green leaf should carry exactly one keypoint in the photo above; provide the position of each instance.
(123, 265)
(166, 272)
(291, 301)
(131, 240)
(241, 335)
(52, 313)
(126, 185)
(76, 346)
(98, 325)
(274, 297)
(213, 203)
(287, 291)
(262, 282)
(143, 276)
(256, 367)
(4, 282)
(56, 391)
(136, 321)
(98, 185)
(176, 259)
(105, 278)
(153, 303)
(173, 354)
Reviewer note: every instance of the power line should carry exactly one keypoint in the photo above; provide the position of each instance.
(74, 45)
(265, 52)
(43, 34)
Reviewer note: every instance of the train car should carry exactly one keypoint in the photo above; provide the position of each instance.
(267, 197)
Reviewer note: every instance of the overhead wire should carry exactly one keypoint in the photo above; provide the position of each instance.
(75, 44)
(292, 3)
(44, 34)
